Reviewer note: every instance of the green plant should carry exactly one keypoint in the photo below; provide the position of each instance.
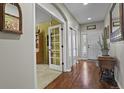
(103, 43)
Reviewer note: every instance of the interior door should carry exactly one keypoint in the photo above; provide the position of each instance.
(93, 47)
(74, 46)
(55, 49)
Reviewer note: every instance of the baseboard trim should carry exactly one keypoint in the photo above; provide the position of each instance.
(118, 83)
(68, 70)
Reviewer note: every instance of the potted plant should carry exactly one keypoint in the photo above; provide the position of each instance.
(104, 44)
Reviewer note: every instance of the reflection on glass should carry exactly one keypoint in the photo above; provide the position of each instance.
(11, 23)
(11, 17)
(116, 19)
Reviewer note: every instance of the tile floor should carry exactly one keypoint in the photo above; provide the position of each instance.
(45, 75)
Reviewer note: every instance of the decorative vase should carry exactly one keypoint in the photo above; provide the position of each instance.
(105, 52)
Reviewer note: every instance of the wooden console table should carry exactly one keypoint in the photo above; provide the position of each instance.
(106, 64)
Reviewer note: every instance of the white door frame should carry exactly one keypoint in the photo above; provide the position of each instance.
(48, 7)
(53, 66)
(76, 47)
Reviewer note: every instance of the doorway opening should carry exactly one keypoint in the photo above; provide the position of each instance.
(89, 42)
(72, 45)
(48, 47)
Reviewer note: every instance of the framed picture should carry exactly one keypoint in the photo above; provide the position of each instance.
(91, 27)
(11, 18)
(116, 22)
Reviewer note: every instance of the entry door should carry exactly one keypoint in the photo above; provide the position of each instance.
(84, 48)
(93, 47)
(55, 49)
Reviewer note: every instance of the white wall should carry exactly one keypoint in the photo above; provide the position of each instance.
(52, 10)
(71, 22)
(99, 29)
(117, 51)
(41, 15)
(17, 57)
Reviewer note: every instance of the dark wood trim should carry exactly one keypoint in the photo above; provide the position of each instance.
(11, 15)
(111, 17)
(122, 19)
(12, 31)
(1, 16)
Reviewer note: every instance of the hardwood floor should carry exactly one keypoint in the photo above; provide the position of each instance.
(84, 75)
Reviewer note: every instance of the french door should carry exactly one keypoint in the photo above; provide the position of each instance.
(55, 48)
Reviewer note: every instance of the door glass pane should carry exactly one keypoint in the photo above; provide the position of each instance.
(58, 61)
(57, 31)
(57, 54)
(55, 46)
(84, 45)
(57, 38)
(52, 46)
(53, 61)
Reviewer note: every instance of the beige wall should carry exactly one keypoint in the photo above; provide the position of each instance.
(117, 50)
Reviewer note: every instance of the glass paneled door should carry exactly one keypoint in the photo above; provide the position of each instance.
(55, 47)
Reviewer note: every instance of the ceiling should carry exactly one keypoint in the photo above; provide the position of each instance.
(42, 15)
(82, 12)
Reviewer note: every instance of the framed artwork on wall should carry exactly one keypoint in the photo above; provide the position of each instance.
(91, 27)
(11, 18)
(116, 22)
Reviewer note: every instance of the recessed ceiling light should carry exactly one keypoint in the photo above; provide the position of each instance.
(89, 18)
(85, 3)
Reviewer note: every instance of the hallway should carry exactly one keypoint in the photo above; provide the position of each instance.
(60, 34)
(84, 75)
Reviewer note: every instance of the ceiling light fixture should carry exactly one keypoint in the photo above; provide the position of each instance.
(85, 3)
(89, 18)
